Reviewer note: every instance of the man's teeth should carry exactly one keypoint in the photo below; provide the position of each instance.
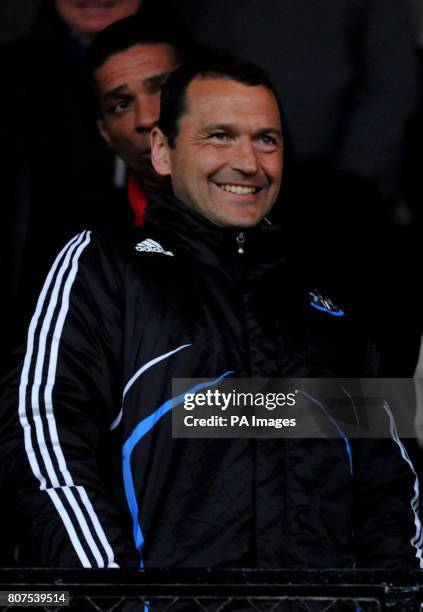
(239, 189)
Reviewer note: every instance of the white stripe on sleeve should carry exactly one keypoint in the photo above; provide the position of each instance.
(59, 281)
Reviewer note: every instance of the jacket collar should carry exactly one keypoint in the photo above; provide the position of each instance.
(183, 227)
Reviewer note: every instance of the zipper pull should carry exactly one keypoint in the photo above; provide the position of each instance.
(240, 240)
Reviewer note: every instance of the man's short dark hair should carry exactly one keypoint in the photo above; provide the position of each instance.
(208, 63)
(145, 28)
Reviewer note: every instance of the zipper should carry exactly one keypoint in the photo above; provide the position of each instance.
(240, 240)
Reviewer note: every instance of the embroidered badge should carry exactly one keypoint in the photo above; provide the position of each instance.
(324, 304)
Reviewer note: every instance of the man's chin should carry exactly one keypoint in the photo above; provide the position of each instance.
(240, 221)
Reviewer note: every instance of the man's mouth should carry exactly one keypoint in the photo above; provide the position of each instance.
(94, 4)
(239, 189)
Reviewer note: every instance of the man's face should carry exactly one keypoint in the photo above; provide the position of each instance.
(129, 83)
(91, 16)
(227, 159)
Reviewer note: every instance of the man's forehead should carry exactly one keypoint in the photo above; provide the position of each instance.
(215, 99)
(140, 62)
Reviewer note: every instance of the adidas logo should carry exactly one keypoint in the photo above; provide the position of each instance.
(151, 246)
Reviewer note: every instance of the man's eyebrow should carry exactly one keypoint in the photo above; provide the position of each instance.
(270, 130)
(157, 79)
(219, 126)
(229, 126)
(121, 90)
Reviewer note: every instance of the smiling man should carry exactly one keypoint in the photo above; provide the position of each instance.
(226, 158)
(201, 291)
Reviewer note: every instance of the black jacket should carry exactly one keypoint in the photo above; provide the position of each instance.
(99, 479)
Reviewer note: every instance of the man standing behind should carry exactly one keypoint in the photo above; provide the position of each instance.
(127, 63)
(194, 293)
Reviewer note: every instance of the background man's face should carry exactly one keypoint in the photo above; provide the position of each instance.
(91, 16)
(129, 90)
(227, 160)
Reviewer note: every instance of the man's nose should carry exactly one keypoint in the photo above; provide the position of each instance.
(147, 113)
(245, 157)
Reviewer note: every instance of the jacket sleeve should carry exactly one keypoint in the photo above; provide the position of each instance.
(387, 527)
(55, 416)
(388, 531)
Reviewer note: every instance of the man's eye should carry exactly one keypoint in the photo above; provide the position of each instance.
(118, 107)
(268, 140)
(219, 136)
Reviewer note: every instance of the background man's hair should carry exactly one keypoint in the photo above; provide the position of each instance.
(208, 62)
(145, 28)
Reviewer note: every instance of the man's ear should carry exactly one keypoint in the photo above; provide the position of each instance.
(103, 131)
(160, 157)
